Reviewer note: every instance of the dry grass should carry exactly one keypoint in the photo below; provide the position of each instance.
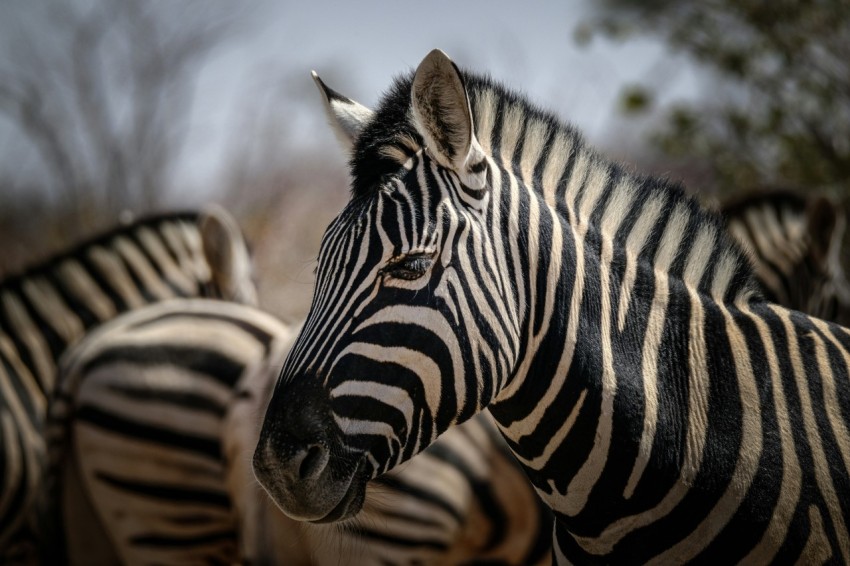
(285, 228)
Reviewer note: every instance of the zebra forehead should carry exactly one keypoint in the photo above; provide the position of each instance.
(387, 142)
(390, 140)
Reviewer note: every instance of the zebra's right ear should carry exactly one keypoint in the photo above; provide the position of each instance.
(346, 117)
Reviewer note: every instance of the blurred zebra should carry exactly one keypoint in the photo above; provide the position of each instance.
(165, 405)
(52, 305)
(489, 259)
(796, 244)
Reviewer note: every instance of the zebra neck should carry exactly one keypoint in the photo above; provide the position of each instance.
(580, 409)
(550, 160)
(33, 335)
(595, 227)
(611, 295)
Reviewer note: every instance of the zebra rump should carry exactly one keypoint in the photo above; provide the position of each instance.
(163, 407)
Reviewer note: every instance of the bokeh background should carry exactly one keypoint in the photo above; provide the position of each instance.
(114, 108)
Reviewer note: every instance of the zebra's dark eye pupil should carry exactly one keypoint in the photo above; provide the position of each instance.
(409, 267)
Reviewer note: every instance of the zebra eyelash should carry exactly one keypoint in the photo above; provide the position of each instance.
(409, 266)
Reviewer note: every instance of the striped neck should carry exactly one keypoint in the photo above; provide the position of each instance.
(595, 195)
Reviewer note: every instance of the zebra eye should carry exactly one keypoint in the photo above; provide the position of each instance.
(409, 267)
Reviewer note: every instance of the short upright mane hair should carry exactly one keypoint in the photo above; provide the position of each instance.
(391, 138)
(391, 127)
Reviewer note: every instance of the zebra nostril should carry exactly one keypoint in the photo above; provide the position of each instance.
(313, 462)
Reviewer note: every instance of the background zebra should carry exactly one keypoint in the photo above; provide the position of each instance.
(796, 244)
(166, 404)
(488, 258)
(52, 305)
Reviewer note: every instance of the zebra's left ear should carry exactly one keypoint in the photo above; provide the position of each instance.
(826, 228)
(346, 117)
(443, 116)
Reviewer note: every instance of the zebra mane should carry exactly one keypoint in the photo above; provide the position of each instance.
(391, 138)
(102, 239)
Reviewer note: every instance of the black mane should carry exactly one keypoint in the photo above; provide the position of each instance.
(391, 123)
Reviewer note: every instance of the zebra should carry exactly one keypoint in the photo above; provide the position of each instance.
(489, 259)
(796, 244)
(50, 306)
(164, 406)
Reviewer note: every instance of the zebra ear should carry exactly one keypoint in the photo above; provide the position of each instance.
(824, 225)
(346, 117)
(443, 116)
(231, 268)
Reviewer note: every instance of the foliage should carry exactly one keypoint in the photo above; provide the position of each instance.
(777, 109)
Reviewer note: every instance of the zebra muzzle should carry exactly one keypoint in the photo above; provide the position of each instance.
(307, 484)
(300, 459)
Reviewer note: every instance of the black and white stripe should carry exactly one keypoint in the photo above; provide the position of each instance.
(166, 403)
(796, 245)
(662, 409)
(51, 306)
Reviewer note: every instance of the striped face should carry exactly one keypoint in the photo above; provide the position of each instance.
(398, 276)
(407, 333)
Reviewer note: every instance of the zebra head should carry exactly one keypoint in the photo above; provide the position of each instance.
(410, 330)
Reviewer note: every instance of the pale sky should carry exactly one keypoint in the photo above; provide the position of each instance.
(357, 47)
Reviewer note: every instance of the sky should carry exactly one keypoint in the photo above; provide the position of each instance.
(357, 48)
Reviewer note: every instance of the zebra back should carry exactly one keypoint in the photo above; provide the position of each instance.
(149, 398)
(795, 242)
(52, 305)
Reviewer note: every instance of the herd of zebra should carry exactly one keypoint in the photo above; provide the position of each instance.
(518, 352)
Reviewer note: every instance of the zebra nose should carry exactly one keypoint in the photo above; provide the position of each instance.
(298, 432)
(300, 447)
(309, 462)
(292, 461)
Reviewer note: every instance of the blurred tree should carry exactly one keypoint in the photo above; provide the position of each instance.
(101, 91)
(779, 110)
